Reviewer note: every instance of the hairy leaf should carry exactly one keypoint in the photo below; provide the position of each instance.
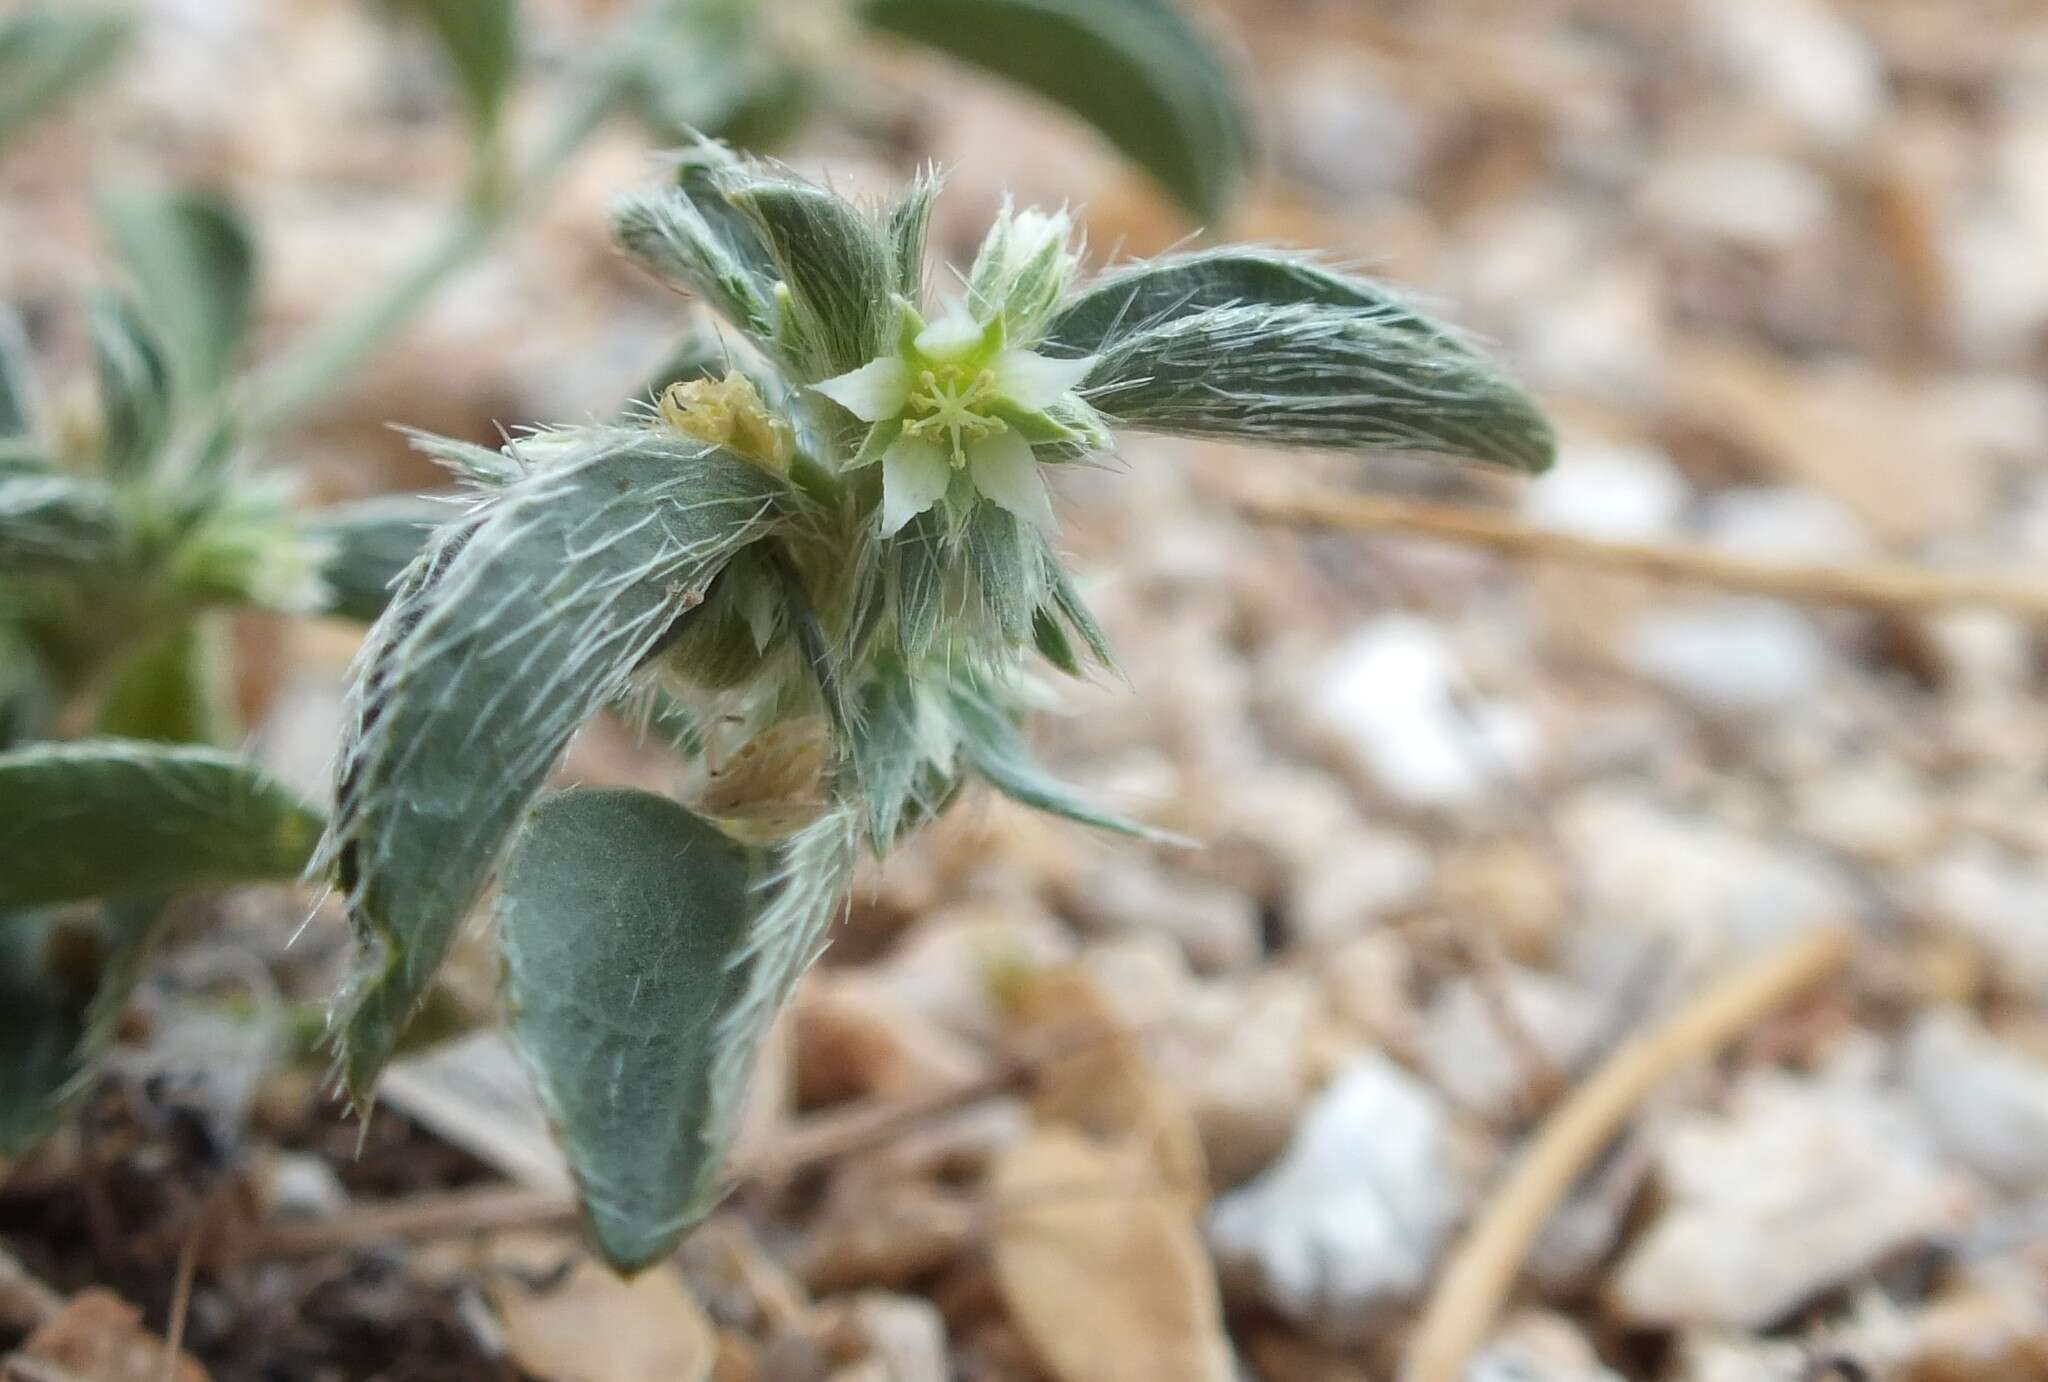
(52, 522)
(517, 623)
(1136, 70)
(645, 953)
(992, 746)
(691, 236)
(619, 914)
(910, 217)
(65, 978)
(1156, 292)
(371, 543)
(481, 41)
(1306, 374)
(838, 272)
(135, 388)
(194, 266)
(49, 51)
(121, 818)
(902, 754)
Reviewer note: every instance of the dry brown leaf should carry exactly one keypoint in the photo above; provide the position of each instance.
(100, 1337)
(1098, 1080)
(1101, 1267)
(592, 1327)
(1856, 435)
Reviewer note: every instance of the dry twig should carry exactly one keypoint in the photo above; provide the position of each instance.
(1885, 586)
(815, 1141)
(1469, 1292)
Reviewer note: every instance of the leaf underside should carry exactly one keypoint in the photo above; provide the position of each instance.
(1277, 350)
(646, 955)
(518, 623)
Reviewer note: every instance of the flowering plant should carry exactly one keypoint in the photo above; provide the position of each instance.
(823, 560)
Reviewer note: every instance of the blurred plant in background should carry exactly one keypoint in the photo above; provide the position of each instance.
(126, 537)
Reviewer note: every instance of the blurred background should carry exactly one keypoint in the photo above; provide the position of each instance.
(1466, 825)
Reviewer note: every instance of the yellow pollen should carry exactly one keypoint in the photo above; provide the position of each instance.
(949, 403)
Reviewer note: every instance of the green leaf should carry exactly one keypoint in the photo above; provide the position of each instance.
(170, 690)
(839, 273)
(194, 266)
(689, 235)
(65, 979)
(909, 224)
(1276, 350)
(620, 914)
(517, 624)
(135, 388)
(120, 818)
(370, 543)
(646, 955)
(992, 746)
(903, 754)
(1136, 70)
(480, 39)
(48, 52)
(714, 67)
(52, 523)
(1156, 292)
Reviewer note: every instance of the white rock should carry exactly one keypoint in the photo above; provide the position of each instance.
(1717, 1356)
(1801, 59)
(943, 969)
(299, 1183)
(1799, 1188)
(1780, 521)
(1729, 655)
(2001, 904)
(1609, 492)
(1345, 1228)
(1482, 1065)
(1874, 809)
(906, 1337)
(1987, 1104)
(1237, 1053)
(1535, 1346)
(1383, 701)
(1359, 880)
(1757, 203)
(1656, 871)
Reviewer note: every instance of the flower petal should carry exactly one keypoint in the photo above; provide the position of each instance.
(915, 474)
(1005, 470)
(952, 336)
(1033, 381)
(876, 390)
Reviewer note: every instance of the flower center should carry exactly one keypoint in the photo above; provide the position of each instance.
(947, 403)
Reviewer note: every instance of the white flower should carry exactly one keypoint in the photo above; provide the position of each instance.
(954, 399)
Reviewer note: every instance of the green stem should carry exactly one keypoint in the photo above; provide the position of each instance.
(317, 365)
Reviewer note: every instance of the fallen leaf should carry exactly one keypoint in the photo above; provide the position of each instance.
(1100, 1266)
(100, 1337)
(1097, 1079)
(593, 1327)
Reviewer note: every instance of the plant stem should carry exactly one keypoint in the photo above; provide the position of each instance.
(317, 365)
